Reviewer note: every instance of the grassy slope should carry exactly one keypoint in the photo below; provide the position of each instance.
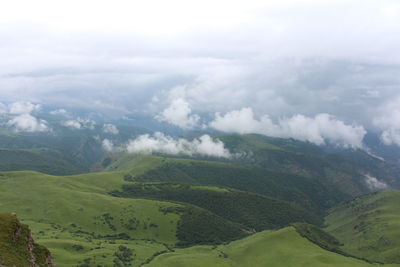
(344, 170)
(68, 212)
(369, 226)
(253, 211)
(305, 191)
(76, 210)
(284, 247)
(43, 160)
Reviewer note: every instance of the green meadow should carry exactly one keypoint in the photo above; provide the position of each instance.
(284, 247)
(369, 226)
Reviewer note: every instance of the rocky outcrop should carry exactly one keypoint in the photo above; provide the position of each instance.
(17, 246)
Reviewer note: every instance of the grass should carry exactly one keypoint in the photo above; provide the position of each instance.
(76, 209)
(43, 160)
(305, 191)
(284, 247)
(252, 211)
(369, 226)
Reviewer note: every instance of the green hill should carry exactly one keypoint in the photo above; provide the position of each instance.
(342, 169)
(58, 154)
(369, 226)
(284, 247)
(252, 211)
(305, 191)
(77, 219)
(43, 160)
(17, 247)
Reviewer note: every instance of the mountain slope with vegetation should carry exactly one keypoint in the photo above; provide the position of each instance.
(43, 160)
(369, 226)
(344, 169)
(76, 218)
(305, 191)
(148, 209)
(284, 247)
(17, 247)
(253, 211)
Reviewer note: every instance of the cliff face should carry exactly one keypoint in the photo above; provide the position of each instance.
(17, 247)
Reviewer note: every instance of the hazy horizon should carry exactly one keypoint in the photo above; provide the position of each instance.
(312, 70)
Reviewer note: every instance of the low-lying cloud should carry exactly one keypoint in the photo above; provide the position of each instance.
(374, 184)
(21, 118)
(61, 111)
(110, 129)
(388, 121)
(28, 123)
(179, 114)
(160, 143)
(80, 123)
(20, 107)
(107, 145)
(319, 130)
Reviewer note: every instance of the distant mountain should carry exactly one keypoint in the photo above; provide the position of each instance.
(345, 169)
(146, 210)
(49, 153)
(305, 191)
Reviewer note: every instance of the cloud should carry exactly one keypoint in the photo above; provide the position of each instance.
(73, 124)
(3, 108)
(28, 123)
(22, 107)
(317, 130)
(284, 58)
(388, 120)
(59, 112)
(80, 124)
(179, 114)
(160, 143)
(374, 184)
(107, 145)
(110, 129)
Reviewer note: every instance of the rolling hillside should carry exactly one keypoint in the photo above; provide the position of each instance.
(43, 160)
(67, 153)
(253, 211)
(369, 226)
(305, 191)
(148, 209)
(77, 219)
(284, 247)
(343, 169)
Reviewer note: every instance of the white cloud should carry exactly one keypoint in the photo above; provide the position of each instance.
(107, 145)
(159, 143)
(388, 121)
(179, 114)
(317, 130)
(59, 112)
(28, 123)
(110, 129)
(72, 124)
(374, 184)
(20, 107)
(268, 64)
(80, 124)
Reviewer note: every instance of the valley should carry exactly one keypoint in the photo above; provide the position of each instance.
(142, 210)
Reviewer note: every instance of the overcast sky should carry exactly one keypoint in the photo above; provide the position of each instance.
(178, 60)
